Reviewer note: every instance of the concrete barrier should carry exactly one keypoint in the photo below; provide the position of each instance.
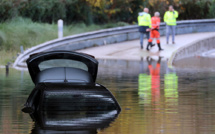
(198, 48)
(109, 36)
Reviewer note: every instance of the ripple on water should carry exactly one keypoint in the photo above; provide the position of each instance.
(174, 101)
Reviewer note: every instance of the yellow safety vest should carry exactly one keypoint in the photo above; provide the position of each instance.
(170, 18)
(171, 87)
(144, 88)
(144, 20)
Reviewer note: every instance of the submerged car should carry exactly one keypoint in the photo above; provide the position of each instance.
(81, 119)
(66, 81)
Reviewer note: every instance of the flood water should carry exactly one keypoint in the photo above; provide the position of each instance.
(155, 99)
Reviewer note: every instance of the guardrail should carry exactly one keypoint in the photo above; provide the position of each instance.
(109, 36)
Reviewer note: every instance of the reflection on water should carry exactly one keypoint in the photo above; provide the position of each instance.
(155, 99)
(171, 86)
(149, 83)
(71, 108)
(76, 121)
(170, 101)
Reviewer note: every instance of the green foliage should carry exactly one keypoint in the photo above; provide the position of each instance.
(100, 11)
(27, 33)
(71, 10)
(44, 11)
(24, 32)
(198, 10)
(7, 10)
(212, 10)
(2, 38)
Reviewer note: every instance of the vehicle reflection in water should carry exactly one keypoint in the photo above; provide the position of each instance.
(81, 113)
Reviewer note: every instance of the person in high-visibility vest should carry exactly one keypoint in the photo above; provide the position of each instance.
(170, 20)
(155, 31)
(144, 22)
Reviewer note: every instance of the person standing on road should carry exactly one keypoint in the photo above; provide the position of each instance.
(170, 19)
(155, 31)
(144, 22)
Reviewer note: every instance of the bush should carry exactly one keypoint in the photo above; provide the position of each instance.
(100, 11)
(44, 11)
(212, 10)
(198, 10)
(7, 10)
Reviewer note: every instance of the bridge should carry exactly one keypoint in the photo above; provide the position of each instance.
(193, 36)
(130, 50)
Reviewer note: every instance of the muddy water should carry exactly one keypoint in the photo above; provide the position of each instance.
(155, 99)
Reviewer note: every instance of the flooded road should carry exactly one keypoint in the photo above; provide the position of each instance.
(155, 99)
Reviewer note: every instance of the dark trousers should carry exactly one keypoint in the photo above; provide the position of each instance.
(142, 30)
(142, 37)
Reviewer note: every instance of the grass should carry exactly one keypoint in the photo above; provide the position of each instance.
(7, 56)
(24, 32)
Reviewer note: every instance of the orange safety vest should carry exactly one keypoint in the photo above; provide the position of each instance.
(155, 22)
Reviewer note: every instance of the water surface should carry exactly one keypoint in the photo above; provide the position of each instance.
(172, 101)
